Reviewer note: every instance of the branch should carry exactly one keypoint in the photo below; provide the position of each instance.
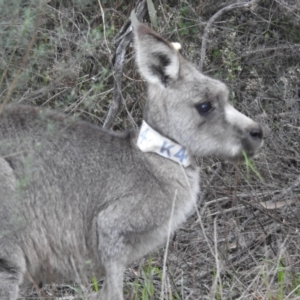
(23, 64)
(122, 40)
(295, 47)
(286, 191)
(211, 179)
(252, 4)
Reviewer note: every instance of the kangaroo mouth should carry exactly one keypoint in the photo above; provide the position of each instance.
(249, 150)
(242, 157)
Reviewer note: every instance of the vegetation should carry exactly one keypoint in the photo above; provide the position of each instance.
(60, 53)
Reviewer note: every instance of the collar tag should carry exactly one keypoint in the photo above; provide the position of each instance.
(150, 140)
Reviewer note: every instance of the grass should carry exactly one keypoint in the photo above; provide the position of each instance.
(250, 165)
(145, 285)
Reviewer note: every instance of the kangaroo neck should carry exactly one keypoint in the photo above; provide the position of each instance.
(150, 140)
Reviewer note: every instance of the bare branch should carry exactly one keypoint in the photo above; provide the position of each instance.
(292, 47)
(252, 4)
(211, 179)
(122, 40)
(286, 191)
(104, 27)
(23, 63)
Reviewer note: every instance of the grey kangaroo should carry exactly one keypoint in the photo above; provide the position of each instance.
(77, 201)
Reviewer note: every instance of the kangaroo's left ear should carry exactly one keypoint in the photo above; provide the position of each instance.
(157, 59)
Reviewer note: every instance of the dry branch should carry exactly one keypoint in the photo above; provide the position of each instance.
(295, 48)
(122, 40)
(23, 63)
(211, 179)
(252, 4)
(286, 191)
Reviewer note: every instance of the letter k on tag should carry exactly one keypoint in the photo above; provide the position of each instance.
(150, 140)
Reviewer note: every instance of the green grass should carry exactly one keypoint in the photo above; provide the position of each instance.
(95, 284)
(251, 166)
(145, 285)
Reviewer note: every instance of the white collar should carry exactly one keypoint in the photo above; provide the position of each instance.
(150, 140)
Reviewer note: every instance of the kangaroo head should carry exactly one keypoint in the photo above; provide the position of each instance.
(188, 107)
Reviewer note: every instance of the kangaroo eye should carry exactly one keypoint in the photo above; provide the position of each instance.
(204, 108)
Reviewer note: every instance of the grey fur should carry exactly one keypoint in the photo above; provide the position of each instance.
(78, 201)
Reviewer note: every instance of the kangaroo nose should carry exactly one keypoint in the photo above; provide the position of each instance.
(256, 132)
(253, 139)
(255, 135)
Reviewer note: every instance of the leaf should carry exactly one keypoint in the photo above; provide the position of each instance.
(133, 18)
(152, 13)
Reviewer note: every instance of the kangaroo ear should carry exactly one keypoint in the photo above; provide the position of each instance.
(157, 59)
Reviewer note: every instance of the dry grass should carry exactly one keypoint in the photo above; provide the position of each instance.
(246, 245)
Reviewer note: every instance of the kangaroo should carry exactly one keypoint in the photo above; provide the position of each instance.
(78, 201)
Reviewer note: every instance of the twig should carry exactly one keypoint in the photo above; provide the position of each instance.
(292, 114)
(42, 92)
(23, 63)
(295, 47)
(104, 28)
(211, 179)
(287, 190)
(250, 4)
(122, 40)
(238, 196)
(198, 214)
(163, 12)
(167, 248)
(292, 292)
(218, 273)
